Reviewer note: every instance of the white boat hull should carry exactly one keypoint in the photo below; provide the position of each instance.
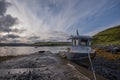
(81, 58)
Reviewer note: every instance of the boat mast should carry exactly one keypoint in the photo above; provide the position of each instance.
(77, 32)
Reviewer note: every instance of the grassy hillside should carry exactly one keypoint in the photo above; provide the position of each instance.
(108, 36)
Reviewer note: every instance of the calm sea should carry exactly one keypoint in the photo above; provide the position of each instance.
(5, 51)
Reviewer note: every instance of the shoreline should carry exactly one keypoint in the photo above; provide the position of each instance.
(108, 68)
(44, 65)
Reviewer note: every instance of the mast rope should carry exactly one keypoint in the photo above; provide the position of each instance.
(91, 64)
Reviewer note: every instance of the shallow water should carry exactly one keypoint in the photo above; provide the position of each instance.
(5, 51)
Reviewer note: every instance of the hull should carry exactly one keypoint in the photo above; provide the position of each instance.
(80, 58)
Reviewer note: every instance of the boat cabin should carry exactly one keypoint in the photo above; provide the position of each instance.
(80, 44)
(81, 41)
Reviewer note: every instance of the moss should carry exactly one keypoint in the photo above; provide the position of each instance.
(107, 55)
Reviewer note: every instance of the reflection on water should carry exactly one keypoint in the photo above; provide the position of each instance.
(4, 51)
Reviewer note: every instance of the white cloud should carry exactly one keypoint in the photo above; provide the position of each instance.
(43, 17)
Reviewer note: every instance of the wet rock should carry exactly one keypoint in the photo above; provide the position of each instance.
(108, 69)
(41, 51)
(45, 66)
(47, 69)
(13, 76)
(8, 72)
(24, 73)
(48, 76)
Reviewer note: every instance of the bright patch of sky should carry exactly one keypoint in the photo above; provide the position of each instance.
(57, 19)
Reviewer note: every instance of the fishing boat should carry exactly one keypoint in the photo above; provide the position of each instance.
(80, 49)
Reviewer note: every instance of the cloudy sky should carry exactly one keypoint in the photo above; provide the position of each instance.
(55, 20)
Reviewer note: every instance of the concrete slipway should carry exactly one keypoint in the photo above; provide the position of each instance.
(43, 66)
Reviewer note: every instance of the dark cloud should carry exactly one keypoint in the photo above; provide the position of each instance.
(9, 36)
(18, 30)
(9, 20)
(15, 41)
(33, 38)
(12, 36)
(3, 39)
(6, 20)
(2, 7)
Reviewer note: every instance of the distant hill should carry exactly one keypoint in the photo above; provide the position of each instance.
(52, 44)
(107, 37)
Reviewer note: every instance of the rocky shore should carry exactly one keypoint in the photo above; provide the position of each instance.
(106, 64)
(110, 69)
(40, 66)
(47, 66)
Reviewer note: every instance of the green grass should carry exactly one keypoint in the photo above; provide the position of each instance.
(108, 37)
